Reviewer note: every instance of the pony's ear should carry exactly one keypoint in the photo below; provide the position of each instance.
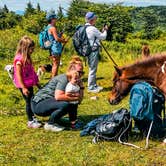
(119, 71)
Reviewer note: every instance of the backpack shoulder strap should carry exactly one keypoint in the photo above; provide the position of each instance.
(48, 27)
(86, 26)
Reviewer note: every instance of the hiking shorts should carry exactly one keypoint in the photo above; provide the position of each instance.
(56, 49)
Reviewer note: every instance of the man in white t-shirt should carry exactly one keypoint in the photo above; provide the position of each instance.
(94, 36)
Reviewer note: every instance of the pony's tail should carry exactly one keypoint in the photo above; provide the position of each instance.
(145, 51)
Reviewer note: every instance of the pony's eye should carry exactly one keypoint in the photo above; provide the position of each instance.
(114, 90)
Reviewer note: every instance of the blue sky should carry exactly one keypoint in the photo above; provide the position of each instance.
(53, 4)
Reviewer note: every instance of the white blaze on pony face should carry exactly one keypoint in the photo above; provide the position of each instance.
(164, 141)
(163, 67)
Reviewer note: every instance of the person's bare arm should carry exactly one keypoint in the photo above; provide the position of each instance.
(81, 91)
(81, 95)
(53, 31)
(19, 77)
(61, 96)
(71, 94)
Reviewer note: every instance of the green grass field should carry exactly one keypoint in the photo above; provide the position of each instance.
(22, 146)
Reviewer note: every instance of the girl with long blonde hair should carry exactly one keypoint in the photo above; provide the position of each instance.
(25, 77)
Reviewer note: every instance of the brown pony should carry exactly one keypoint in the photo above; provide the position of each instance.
(151, 70)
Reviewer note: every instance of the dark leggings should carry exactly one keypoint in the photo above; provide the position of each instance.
(27, 99)
(55, 109)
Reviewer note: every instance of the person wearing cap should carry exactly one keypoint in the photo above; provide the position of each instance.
(56, 39)
(94, 36)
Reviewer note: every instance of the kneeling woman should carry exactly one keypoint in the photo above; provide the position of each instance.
(52, 100)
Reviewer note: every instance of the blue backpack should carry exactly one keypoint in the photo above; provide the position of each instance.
(147, 104)
(44, 39)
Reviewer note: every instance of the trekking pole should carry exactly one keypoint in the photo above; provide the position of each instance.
(108, 54)
(66, 43)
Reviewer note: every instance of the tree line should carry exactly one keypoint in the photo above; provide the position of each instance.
(145, 22)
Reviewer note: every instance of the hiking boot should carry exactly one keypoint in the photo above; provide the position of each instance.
(34, 124)
(99, 87)
(53, 127)
(77, 125)
(94, 90)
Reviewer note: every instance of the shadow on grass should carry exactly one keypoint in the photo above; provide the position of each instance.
(98, 78)
(133, 137)
(108, 89)
(83, 118)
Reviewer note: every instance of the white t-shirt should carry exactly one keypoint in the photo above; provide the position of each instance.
(72, 88)
(94, 34)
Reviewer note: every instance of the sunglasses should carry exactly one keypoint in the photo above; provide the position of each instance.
(81, 72)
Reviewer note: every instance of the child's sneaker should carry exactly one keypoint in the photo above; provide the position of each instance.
(34, 124)
(53, 127)
(77, 125)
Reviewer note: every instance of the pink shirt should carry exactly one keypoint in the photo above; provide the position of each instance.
(29, 76)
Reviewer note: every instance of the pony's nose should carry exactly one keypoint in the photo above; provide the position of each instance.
(113, 102)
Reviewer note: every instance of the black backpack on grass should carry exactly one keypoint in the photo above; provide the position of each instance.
(114, 128)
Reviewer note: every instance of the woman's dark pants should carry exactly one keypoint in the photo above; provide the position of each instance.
(54, 109)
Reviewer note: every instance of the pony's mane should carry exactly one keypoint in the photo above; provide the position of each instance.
(148, 61)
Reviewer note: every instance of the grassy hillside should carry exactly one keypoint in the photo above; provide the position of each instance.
(22, 146)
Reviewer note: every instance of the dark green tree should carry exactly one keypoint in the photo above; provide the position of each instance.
(78, 8)
(34, 23)
(150, 23)
(117, 16)
(38, 7)
(5, 9)
(76, 13)
(120, 23)
(8, 19)
(60, 12)
(29, 10)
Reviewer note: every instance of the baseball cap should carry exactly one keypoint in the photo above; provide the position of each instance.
(51, 15)
(90, 15)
